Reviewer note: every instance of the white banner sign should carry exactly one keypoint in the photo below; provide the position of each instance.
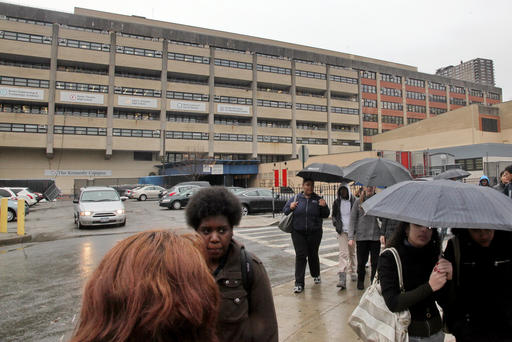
(217, 169)
(89, 98)
(137, 101)
(74, 173)
(233, 109)
(22, 93)
(188, 105)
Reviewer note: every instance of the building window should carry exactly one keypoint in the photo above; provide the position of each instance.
(470, 164)
(24, 37)
(139, 51)
(272, 158)
(415, 82)
(27, 21)
(399, 120)
(232, 100)
(310, 74)
(80, 44)
(311, 141)
(416, 109)
(415, 95)
(274, 69)
(274, 123)
(437, 111)
(437, 86)
(311, 107)
(457, 90)
(135, 115)
(437, 98)
(344, 128)
(137, 75)
(390, 78)
(493, 96)
(343, 79)
(232, 64)
(457, 101)
(370, 131)
(311, 125)
(186, 118)
(343, 110)
(79, 130)
(143, 156)
(476, 92)
(391, 92)
(26, 108)
(489, 125)
(10, 62)
(24, 82)
(186, 135)
(392, 105)
(93, 88)
(22, 128)
(413, 120)
(274, 139)
(138, 133)
(370, 103)
(137, 92)
(232, 121)
(232, 137)
(370, 117)
(187, 96)
(368, 74)
(365, 88)
(274, 104)
(81, 111)
(341, 142)
(187, 58)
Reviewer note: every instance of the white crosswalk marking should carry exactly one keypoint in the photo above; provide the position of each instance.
(272, 237)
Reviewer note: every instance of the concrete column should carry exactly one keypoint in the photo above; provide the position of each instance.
(467, 96)
(448, 105)
(293, 92)
(329, 119)
(52, 91)
(163, 99)
(110, 97)
(404, 100)
(379, 109)
(485, 97)
(427, 101)
(211, 106)
(254, 106)
(360, 94)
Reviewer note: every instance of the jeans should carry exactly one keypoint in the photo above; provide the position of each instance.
(437, 337)
(306, 250)
(364, 248)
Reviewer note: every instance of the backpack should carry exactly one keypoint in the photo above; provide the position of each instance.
(246, 266)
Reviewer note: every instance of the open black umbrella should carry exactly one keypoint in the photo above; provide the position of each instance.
(453, 174)
(323, 172)
(377, 172)
(443, 203)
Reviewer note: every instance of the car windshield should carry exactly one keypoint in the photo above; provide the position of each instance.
(99, 196)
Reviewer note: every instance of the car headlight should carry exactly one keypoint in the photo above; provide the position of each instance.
(85, 213)
(120, 211)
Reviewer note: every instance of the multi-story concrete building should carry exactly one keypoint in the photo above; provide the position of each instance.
(108, 92)
(478, 70)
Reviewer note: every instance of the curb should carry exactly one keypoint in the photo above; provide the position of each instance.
(15, 240)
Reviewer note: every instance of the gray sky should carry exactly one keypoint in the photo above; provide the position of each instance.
(426, 34)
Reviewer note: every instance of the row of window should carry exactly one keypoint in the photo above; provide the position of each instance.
(415, 82)
(232, 64)
(232, 100)
(493, 96)
(139, 115)
(399, 120)
(186, 135)
(274, 123)
(274, 139)
(22, 128)
(415, 95)
(370, 103)
(138, 133)
(127, 50)
(344, 142)
(368, 74)
(232, 137)
(311, 107)
(27, 21)
(437, 98)
(230, 121)
(458, 90)
(391, 92)
(371, 117)
(84, 70)
(365, 88)
(274, 69)
(186, 118)
(311, 141)
(436, 111)
(392, 105)
(23, 108)
(25, 37)
(81, 111)
(343, 79)
(137, 75)
(475, 92)
(79, 130)
(188, 58)
(416, 108)
(457, 101)
(80, 44)
(137, 91)
(390, 78)
(412, 120)
(274, 104)
(344, 110)
(311, 125)
(272, 158)
(178, 95)
(437, 86)
(370, 131)
(344, 128)
(24, 82)
(94, 88)
(310, 74)
(24, 64)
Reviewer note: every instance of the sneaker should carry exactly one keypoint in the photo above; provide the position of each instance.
(298, 289)
(317, 280)
(342, 283)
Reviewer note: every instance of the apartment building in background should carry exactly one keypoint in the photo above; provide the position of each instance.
(478, 70)
(119, 94)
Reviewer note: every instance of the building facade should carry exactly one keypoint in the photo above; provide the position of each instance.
(141, 92)
(478, 70)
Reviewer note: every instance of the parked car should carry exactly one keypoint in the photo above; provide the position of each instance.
(184, 186)
(12, 209)
(178, 200)
(145, 192)
(128, 192)
(259, 200)
(26, 194)
(235, 189)
(99, 206)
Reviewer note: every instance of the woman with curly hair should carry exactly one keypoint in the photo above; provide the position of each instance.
(247, 310)
(152, 286)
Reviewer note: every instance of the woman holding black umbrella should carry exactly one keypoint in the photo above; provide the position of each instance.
(309, 210)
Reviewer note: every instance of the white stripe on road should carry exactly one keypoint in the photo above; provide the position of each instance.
(321, 247)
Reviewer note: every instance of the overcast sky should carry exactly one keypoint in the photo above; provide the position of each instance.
(426, 34)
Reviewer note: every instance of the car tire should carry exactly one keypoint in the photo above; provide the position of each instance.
(79, 225)
(245, 210)
(122, 224)
(143, 197)
(11, 215)
(176, 205)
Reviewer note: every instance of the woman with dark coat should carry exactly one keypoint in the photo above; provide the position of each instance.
(424, 275)
(309, 210)
(480, 308)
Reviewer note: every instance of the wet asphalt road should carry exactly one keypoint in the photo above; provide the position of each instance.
(41, 282)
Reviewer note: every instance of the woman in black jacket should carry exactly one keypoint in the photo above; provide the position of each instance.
(309, 210)
(480, 306)
(424, 275)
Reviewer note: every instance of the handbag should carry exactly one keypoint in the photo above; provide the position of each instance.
(373, 321)
(286, 221)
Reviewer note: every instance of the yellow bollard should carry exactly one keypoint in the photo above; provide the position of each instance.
(21, 217)
(3, 215)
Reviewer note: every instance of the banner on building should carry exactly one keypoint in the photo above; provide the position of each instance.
(88, 98)
(137, 102)
(22, 93)
(276, 178)
(233, 109)
(80, 173)
(188, 106)
(285, 177)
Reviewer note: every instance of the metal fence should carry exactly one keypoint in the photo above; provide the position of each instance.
(327, 191)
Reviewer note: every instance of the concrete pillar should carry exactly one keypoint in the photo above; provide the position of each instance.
(211, 104)
(163, 99)
(329, 119)
(485, 97)
(404, 100)
(52, 91)
(379, 109)
(427, 100)
(293, 92)
(110, 97)
(254, 106)
(448, 104)
(467, 96)
(361, 100)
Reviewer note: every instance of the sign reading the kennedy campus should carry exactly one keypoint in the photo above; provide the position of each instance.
(22, 93)
(233, 109)
(80, 173)
(188, 105)
(137, 101)
(89, 98)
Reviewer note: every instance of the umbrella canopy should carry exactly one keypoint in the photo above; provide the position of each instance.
(443, 203)
(377, 172)
(453, 174)
(323, 172)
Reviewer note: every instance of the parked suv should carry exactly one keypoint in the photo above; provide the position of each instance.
(145, 192)
(99, 206)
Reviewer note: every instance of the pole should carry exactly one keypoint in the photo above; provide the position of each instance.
(3, 215)
(273, 203)
(303, 148)
(21, 217)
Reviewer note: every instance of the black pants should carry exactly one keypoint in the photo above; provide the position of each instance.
(306, 250)
(364, 248)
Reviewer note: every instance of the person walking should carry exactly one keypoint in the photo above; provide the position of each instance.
(424, 279)
(247, 311)
(341, 209)
(484, 181)
(502, 182)
(480, 306)
(309, 210)
(364, 233)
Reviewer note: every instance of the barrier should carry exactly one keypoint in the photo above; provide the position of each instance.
(3, 215)
(20, 216)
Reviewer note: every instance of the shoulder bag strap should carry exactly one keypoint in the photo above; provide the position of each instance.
(398, 266)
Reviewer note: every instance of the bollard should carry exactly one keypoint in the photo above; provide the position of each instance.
(3, 215)
(21, 217)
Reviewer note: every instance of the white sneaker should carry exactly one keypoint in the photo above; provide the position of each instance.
(298, 289)
(317, 280)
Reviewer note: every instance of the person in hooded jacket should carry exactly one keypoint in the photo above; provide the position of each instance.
(484, 181)
(309, 210)
(341, 220)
